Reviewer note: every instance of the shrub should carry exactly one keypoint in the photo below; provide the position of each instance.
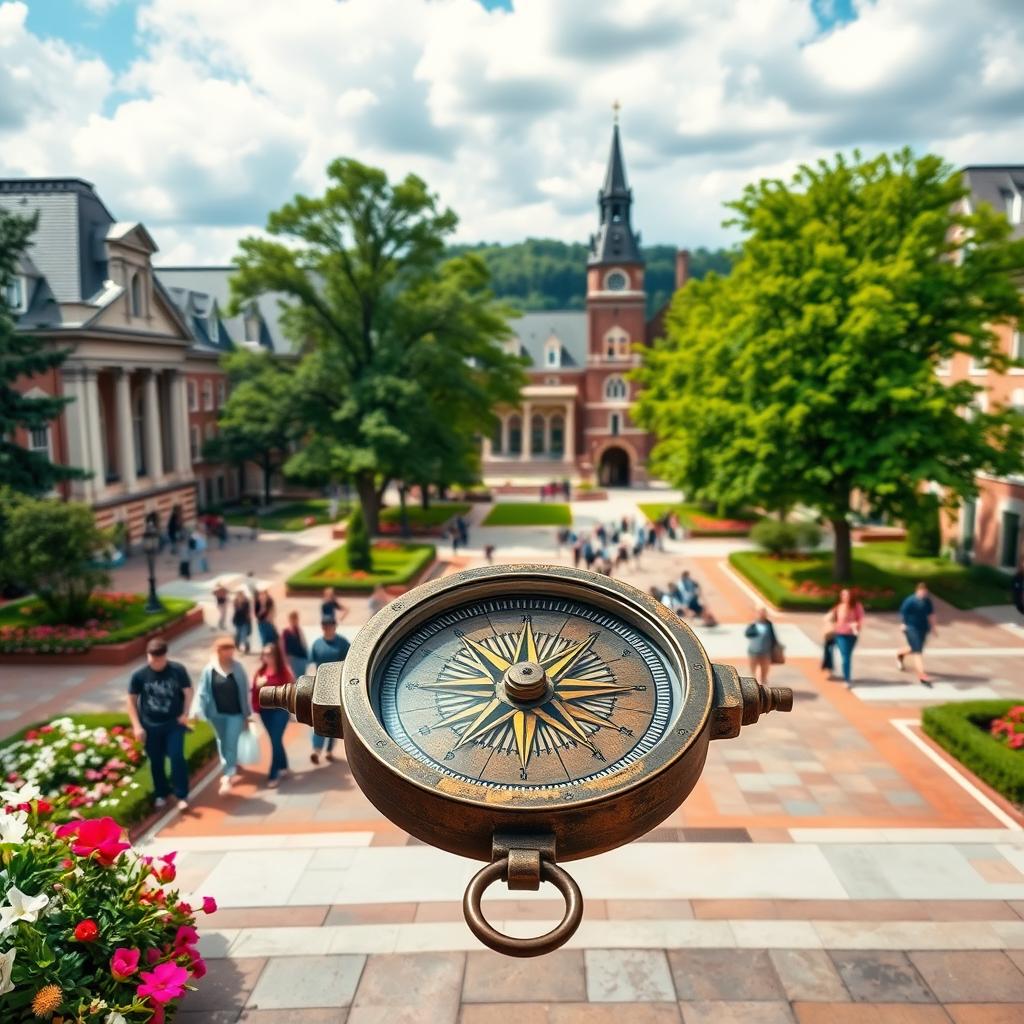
(924, 533)
(357, 542)
(774, 536)
(93, 934)
(963, 730)
(808, 535)
(49, 548)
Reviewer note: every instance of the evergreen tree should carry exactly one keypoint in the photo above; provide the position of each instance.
(357, 542)
(20, 357)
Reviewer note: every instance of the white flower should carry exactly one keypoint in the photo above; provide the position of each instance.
(6, 966)
(13, 826)
(21, 908)
(115, 1018)
(27, 793)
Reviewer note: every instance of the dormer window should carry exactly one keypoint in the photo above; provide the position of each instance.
(213, 327)
(1014, 207)
(16, 295)
(252, 327)
(135, 295)
(552, 352)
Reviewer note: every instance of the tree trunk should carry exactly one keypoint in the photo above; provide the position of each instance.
(369, 501)
(842, 556)
(267, 471)
(403, 490)
(425, 496)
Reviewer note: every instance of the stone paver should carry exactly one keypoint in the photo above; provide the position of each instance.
(313, 981)
(712, 1012)
(808, 975)
(881, 977)
(493, 978)
(391, 986)
(970, 977)
(628, 976)
(724, 974)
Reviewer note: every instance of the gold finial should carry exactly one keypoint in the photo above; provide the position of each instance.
(616, 107)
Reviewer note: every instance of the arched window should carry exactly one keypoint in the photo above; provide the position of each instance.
(557, 435)
(136, 295)
(616, 344)
(498, 438)
(615, 389)
(552, 352)
(515, 435)
(614, 423)
(537, 434)
(252, 326)
(622, 343)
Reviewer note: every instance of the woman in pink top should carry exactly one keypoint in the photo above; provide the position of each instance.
(846, 621)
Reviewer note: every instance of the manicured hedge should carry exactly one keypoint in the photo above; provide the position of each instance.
(393, 564)
(134, 804)
(529, 513)
(960, 730)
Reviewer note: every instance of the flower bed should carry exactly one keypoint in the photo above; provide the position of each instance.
(981, 735)
(91, 929)
(698, 522)
(422, 521)
(116, 618)
(92, 763)
(392, 564)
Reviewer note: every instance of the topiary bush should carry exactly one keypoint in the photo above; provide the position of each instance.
(924, 533)
(962, 728)
(775, 537)
(357, 542)
(808, 535)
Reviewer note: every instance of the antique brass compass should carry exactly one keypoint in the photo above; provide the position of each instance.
(526, 715)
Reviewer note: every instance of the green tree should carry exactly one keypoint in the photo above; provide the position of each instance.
(357, 542)
(49, 547)
(22, 357)
(258, 423)
(396, 340)
(808, 374)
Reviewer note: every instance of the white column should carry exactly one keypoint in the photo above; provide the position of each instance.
(178, 399)
(77, 429)
(96, 443)
(125, 430)
(151, 415)
(570, 433)
(527, 433)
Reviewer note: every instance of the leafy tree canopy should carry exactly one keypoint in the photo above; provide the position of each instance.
(808, 374)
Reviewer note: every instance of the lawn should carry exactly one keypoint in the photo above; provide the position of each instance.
(526, 513)
(290, 517)
(126, 804)
(26, 626)
(698, 522)
(422, 520)
(882, 571)
(391, 564)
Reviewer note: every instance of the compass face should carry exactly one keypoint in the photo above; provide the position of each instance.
(527, 692)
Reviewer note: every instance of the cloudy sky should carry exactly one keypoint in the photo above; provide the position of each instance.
(199, 116)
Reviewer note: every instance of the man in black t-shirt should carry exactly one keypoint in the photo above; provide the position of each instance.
(158, 696)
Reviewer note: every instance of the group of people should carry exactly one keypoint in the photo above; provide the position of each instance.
(458, 533)
(611, 546)
(684, 597)
(555, 489)
(162, 704)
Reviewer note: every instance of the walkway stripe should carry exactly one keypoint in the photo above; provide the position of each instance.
(756, 599)
(905, 726)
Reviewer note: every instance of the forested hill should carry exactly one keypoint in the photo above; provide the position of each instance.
(542, 273)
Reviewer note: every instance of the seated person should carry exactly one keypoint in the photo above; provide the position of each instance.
(689, 592)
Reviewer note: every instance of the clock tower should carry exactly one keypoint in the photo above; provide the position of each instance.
(614, 451)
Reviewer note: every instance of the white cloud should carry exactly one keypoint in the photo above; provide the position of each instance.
(231, 107)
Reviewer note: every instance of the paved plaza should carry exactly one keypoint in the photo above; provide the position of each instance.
(830, 866)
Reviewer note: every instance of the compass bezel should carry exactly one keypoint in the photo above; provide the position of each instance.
(590, 816)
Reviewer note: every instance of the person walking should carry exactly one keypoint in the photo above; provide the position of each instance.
(157, 697)
(174, 528)
(241, 619)
(295, 647)
(762, 642)
(197, 541)
(185, 557)
(845, 620)
(222, 699)
(273, 672)
(918, 614)
(328, 648)
(264, 609)
(330, 605)
(220, 595)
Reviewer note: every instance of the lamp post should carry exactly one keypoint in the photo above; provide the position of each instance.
(151, 545)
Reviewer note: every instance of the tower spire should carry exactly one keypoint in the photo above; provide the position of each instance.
(615, 241)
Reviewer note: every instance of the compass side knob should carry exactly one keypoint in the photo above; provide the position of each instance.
(313, 700)
(741, 700)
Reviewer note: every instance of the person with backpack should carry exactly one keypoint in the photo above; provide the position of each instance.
(328, 648)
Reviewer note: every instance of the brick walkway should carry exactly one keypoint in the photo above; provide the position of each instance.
(831, 865)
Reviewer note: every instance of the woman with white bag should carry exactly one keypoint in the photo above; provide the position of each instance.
(222, 698)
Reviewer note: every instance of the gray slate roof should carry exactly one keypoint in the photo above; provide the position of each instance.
(995, 185)
(195, 288)
(568, 325)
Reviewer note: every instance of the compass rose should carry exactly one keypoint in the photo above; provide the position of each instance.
(528, 692)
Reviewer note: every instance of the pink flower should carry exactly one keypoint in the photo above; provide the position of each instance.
(152, 955)
(78, 747)
(198, 965)
(209, 905)
(162, 984)
(186, 936)
(100, 836)
(124, 963)
(184, 908)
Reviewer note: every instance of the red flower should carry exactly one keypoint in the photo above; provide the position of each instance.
(164, 983)
(152, 955)
(209, 905)
(43, 807)
(186, 936)
(184, 908)
(164, 872)
(124, 963)
(100, 836)
(198, 965)
(32, 734)
(87, 931)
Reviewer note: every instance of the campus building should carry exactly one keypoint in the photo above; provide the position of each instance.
(573, 420)
(991, 528)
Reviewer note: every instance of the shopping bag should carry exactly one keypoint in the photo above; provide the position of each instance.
(249, 746)
(778, 654)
